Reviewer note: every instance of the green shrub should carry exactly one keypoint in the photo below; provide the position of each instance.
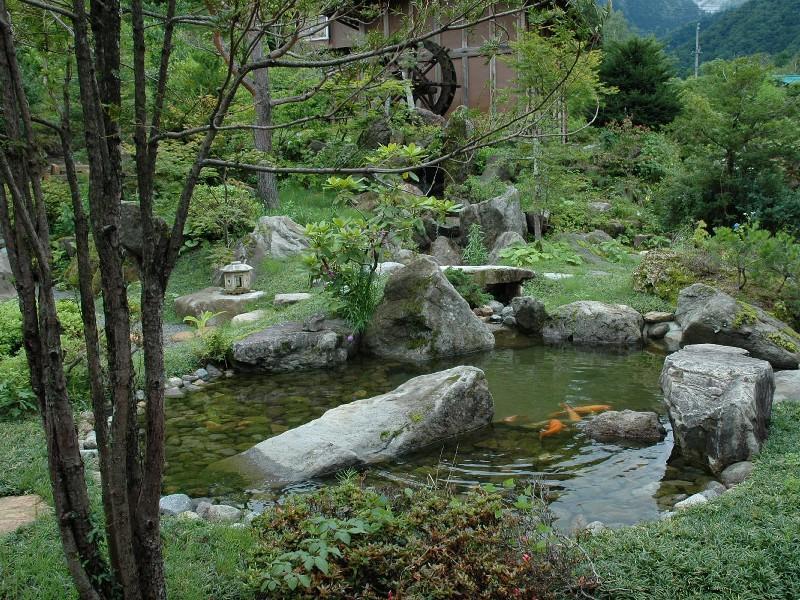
(221, 213)
(215, 345)
(10, 328)
(348, 541)
(664, 273)
(466, 286)
(16, 396)
(475, 253)
(530, 254)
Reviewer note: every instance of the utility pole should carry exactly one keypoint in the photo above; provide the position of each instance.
(697, 51)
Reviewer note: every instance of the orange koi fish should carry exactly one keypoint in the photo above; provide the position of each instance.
(583, 410)
(553, 427)
(571, 413)
(591, 408)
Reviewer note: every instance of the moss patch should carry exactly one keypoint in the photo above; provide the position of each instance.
(745, 315)
(780, 340)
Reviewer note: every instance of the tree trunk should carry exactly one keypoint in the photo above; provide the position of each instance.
(262, 97)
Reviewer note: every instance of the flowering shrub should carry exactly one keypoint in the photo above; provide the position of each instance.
(350, 541)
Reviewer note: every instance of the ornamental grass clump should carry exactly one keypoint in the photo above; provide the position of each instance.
(352, 541)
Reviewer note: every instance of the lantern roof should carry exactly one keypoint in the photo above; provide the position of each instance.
(237, 266)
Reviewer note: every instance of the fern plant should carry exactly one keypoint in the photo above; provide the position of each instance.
(475, 252)
(201, 321)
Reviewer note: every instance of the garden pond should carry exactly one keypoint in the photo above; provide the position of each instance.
(588, 480)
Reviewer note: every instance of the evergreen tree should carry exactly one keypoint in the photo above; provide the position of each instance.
(641, 71)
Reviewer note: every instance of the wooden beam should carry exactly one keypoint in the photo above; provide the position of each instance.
(464, 68)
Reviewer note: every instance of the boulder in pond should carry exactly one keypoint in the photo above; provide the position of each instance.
(719, 401)
(422, 412)
(292, 347)
(276, 237)
(594, 323)
(422, 317)
(709, 316)
(628, 425)
(495, 216)
(529, 313)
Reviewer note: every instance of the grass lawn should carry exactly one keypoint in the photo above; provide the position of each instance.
(745, 544)
(202, 560)
(605, 282)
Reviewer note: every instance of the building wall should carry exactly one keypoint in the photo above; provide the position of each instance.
(478, 78)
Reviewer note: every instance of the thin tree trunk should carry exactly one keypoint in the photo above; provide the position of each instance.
(262, 97)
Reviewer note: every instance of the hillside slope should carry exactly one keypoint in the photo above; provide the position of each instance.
(770, 26)
(657, 16)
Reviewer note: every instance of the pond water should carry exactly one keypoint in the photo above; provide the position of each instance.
(617, 484)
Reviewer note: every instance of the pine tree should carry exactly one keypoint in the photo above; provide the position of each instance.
(641, 71)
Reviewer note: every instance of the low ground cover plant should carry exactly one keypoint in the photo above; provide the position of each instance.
(352, 541)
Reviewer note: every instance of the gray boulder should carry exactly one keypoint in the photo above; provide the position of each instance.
(787, 386)
(736, 473)
(276, 237)
(174, 504)
(629, 425)
(495, 216)
(719, 402)
(445, 251)
(131, 232)
(291, 347)
(7, 289)
(222, 513)
(422, 412)
(589, 322)
(215, 300)
(422, 316)
(709, 316)
(529, 313)
(503, 241)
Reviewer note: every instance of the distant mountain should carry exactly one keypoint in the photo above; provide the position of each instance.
(659, 16)
(713, 6)
(768, 26)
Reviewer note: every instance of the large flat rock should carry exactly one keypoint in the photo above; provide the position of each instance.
(486, 275)
(422, 412)
(214, 300)
(719, 401)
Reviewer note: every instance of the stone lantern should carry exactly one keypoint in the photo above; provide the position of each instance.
(237, 277)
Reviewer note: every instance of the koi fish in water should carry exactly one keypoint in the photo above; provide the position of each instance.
(554, 426)
(583, 410)
(591, 408)
(571, 413)
(516, 419)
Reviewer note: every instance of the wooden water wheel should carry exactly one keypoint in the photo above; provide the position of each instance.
(433, 76)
